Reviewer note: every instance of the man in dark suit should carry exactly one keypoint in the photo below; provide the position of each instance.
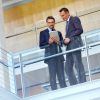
(73, 40)
(53, 46)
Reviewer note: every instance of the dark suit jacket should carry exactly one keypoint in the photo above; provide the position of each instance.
(50, 49)
(74, 31)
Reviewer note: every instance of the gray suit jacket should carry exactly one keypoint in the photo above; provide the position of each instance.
(74, 33)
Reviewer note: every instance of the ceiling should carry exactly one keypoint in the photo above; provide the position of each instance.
(11, 3)
(5, 1)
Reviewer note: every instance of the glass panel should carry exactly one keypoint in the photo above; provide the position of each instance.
(36, 73)
(37, 80)
(85, 59)
(7, 76)
(94, 54)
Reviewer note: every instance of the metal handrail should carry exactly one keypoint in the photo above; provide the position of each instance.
(56, 55)
(52, 56)
(24, 53)
(23, 63)
(96, 31)
(6, 51)
(5, 64)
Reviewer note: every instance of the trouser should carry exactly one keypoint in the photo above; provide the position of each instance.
(56, 68)
(74, 59)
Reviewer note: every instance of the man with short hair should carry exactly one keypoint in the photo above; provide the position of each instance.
(53, 46)
(73, 40)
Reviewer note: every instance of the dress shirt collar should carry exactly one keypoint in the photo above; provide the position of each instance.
(50, 29)
(68, 19)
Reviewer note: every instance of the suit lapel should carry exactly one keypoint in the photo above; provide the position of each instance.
(69, 25)
(47, 34)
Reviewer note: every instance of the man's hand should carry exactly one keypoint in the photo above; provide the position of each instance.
(66, 40)
(55, 39)
(52, 39)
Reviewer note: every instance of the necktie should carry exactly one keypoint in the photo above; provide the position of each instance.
(67, 22)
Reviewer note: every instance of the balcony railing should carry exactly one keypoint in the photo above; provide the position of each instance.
(29, 74)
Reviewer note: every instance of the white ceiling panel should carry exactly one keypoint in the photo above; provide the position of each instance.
(11, 3)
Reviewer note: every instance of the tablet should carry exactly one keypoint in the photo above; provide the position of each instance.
(55, 34)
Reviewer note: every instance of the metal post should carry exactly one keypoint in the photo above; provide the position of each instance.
(35, 29)
(22, 77)
(88, 63)
(14, 74)
(36, 35)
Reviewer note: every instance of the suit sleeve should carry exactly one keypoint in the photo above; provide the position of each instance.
(61, 38)
(42, 41)
(78, 27)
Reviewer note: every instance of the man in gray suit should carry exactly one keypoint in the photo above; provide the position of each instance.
(52, 47)
(73, 40)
